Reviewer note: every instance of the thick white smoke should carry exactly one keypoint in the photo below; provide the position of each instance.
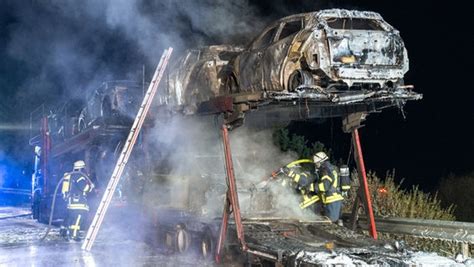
(256, 158)
(195, 176)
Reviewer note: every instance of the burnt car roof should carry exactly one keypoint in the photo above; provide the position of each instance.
(335, 13)
(344, 13)
(310, 18)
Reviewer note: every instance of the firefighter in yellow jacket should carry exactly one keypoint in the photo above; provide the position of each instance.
(76, 185)
(304, 183)
(328, 186)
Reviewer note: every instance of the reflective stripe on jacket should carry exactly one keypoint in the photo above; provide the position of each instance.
(302, 179)
(78, 206)
(308, 201)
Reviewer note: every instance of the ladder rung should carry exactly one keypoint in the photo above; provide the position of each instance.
(123, 159)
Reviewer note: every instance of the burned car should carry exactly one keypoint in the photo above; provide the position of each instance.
(113, 103)
(63, 119)
(328, 53)
(197, 76)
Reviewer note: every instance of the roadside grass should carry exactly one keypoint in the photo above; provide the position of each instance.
(390, 200)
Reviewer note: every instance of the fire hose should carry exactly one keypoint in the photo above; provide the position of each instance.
(53, 204)
(275, 174)
(267, 180)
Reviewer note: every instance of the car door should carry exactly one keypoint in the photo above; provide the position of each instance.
(275, 54)
(250, 65)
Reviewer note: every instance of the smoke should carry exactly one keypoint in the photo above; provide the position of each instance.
(191, 170)
(256, 158)
(68, 46)
(54, 50)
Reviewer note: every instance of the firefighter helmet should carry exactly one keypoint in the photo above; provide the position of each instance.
(320, 157)
(80, 164)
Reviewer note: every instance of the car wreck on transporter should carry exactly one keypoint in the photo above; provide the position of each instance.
(330, 58)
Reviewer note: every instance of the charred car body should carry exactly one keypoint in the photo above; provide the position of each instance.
(332, 49)
(334, 57)
(197, 76)
(112, 103)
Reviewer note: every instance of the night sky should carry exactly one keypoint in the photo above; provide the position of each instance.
(53, 50)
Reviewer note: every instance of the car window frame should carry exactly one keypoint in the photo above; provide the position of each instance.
(260, 37)
(283, 24)
(377, 23)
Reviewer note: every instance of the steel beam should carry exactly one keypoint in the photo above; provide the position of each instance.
(232, 200)
(364, 189)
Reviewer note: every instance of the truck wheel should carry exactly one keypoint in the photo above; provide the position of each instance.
(182, 239)
(35, 208)
(207, 246)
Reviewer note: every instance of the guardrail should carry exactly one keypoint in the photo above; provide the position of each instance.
(461, 233)
(15, 191)
(14, 196)
(434, 229)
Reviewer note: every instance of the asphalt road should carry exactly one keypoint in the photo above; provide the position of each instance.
(20, 246)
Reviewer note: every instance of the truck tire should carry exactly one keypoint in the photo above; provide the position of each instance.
(182, 239)
(207, 245)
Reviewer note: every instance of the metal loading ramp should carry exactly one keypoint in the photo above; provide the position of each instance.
(292, 243)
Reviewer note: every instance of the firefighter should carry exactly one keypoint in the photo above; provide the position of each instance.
(328, 186)
(75, 188)
(304, 182)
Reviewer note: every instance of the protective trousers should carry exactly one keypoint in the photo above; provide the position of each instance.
(333, 210)
(75, 219)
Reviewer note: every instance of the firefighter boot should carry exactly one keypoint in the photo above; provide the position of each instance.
(64, 233)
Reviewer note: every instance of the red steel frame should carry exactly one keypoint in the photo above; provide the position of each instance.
(365, 186)
(231, 202)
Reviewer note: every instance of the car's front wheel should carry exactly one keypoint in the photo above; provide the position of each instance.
(298, 78)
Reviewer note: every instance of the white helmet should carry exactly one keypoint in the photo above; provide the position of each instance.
(319, 157)
(80, 164)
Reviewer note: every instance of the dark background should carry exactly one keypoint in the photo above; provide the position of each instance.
(53, 50)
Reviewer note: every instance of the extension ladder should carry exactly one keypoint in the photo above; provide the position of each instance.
(126, 151)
